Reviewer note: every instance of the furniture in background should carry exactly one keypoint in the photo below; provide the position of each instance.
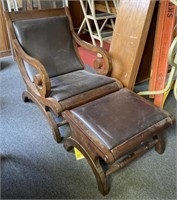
(163, 38)
(129, 38)
(4, 40)
(172, 61)
(17, 5)
(109, 124)
(96, 23)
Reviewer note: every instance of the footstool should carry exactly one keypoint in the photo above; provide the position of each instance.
(114, 130)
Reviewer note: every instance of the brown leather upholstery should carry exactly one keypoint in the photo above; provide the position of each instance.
(54, 49)
(119, 116)
(71, 84)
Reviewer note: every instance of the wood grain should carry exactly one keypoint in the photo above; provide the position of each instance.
(167, 36)
(146, 61)
(129, 38)
(4, 40)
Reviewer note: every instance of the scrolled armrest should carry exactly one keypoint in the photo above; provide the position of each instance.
(41, 80)
(99, 61)
(37, 80)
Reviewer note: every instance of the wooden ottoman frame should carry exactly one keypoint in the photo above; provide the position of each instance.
(103, 160)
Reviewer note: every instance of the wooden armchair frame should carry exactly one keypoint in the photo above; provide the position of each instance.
(39, 90)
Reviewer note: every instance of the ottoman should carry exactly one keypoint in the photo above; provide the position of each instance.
(114, 130)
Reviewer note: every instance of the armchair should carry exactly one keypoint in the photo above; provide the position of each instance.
(45, 46)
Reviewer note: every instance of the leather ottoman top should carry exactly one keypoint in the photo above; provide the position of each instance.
(119, 116)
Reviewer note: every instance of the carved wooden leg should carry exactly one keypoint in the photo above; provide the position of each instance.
(160, 146)
(93, 161)
(53, 125)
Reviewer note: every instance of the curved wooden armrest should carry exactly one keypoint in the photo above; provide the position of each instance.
(41, 80)
(98, 62)
(37, 80)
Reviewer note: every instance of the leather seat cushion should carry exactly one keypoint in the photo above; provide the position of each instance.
(71, 84)
(117, 117)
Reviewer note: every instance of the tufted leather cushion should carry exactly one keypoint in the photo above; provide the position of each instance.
(71, 84)
(119, 116)
(50, 41)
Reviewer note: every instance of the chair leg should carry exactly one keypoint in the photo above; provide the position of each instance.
(93, 161)
(26, 96)
(53, 125)
(160, 146)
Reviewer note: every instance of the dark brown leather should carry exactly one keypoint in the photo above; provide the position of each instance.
(88, 96)
(119, 116)
(50, 41)
(74, 83)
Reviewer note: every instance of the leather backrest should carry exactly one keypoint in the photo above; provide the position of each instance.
(50, 41)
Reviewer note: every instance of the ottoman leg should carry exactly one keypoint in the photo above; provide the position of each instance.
(94, 163)
(160, 146)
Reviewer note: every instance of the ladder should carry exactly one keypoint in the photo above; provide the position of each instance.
(92, 18)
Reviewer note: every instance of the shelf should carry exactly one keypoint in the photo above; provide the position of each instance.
(101, 16)
(104, 35)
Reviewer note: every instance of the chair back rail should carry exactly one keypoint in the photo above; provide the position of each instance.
(33, 14)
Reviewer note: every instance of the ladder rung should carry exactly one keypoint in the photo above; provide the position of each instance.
(102, 16)
(104, 35)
